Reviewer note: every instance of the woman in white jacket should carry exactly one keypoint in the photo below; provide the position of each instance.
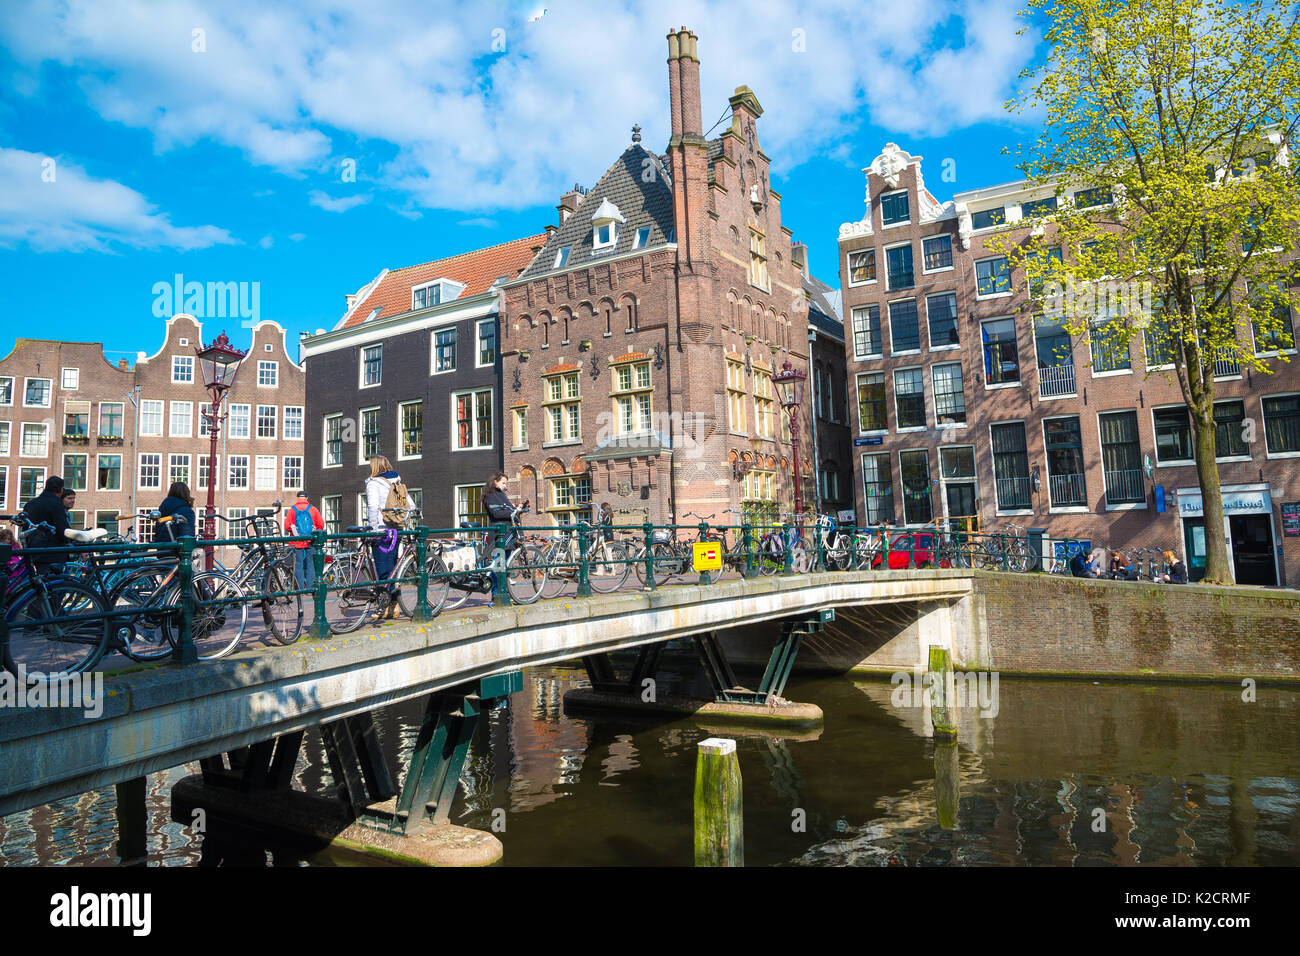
(382, 478)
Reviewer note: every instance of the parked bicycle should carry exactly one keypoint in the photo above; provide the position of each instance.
(608, 562)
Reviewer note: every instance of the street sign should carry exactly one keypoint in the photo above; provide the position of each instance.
(707, 555)
(870, 440)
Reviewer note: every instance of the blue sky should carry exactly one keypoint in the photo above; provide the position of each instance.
(218, 140)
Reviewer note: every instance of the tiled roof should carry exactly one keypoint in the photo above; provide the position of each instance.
(641, 203)
(477, 270)
(821, 300)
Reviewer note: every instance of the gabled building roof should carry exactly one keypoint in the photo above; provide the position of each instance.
(638, 184)
(824, 307)
(477, 271)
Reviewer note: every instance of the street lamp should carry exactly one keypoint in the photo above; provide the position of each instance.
(219, 363)
(789, 382)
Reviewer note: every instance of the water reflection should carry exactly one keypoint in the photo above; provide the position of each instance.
(1066, 774)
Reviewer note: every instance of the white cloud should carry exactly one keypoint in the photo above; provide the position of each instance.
(266, 242)
(484, 221)
(75, 212)
(443, 120)
(330, 204)
(297, 236)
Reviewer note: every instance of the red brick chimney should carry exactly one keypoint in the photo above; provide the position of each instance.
(687, 155)
(684, 85)
(569, 204)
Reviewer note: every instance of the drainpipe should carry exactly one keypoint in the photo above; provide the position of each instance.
(816, 450)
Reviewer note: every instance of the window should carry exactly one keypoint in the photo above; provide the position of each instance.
(331, 512)
(182, 369)
(239, 421)
(182, 420)
(1065, 481)
(898, 267)
(203, 471)
(992, 277)
(110, 419)
(36, 393)
(937, 253)
(265, 473)
(292, 473)
(519, 426)
(878, 489)
(642, 237)
(151, 417)
(77, 519)
(604, 236)
(570, 498)
(487, 342)
(763, 404)
(757, 261)
(150, 471)
(424, 296)
(74, 471)
(30, 483)
(909, 397)
(110, 472)
(237, 527)
(1110, 351)
(267, 415)
(736, 417)
(830, 479)
(1159, 341)
(6, 390)
(1038, 207)
(71, 377)
(205, 416)
(904, 329)
(1043, 260)
(372, 365)
(35, 440)
(370, 435)
(268, 374)
(333, 440)
(4, 486)
(76, 420)
(1173, 434)
(1121, 458)
(106, 520)
(632, 398)
(1087, 198)
(562, 257)
(444, 350)
(914, 467)
(941, 310)
(957, 462)
(758, 485)
(469, 505)
(178, 469)
(1228, 427)
(871, 402)
(987, 218)
(4, 439)
(949, 396)
(293, 422)
(862, 266)
(1280, 334)
(1282, 424)
(866, 332)
(1010, 466)
(411, 423)
(1001, 357)
(473, 412)
(894, 210)
(237, 472)
(563, 413)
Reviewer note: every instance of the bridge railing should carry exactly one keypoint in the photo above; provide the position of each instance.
(437, 568)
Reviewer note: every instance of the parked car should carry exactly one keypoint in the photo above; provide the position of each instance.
(911, 548)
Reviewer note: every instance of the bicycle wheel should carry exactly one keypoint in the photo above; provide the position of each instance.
(558, 572)
(283, 614)
(46, 646)
(799, 558)
(354, 604)
(220, 614)
(669, 563)
(138, 618)
(608, 568)
(437, 590)
(524, 577)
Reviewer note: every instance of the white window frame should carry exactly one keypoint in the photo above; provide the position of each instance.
(951, 248)
(289, 484)
(6, 438)
(172, 457)
(924, 426)
(934, 397)
(885, 264)
(248, 478)
(40, 482)
(179, 362)
(893, 351)
(857, 381)
(139, 470)
(248, 420)
(1155, 441)
(848, 267)
(4, 486)
(161, 406)
(49, 391)
(1101, 450)
(361, 365)
(478, 344)
(895, 192)
(102, 406)
(1263, 417)
(173, 419)
(45, 441)
(492, 408)
(607, 245)
(264, 365)
(992, 295)
(1029, 463)
(401, 406)
(66, 471)
(275, 422)
(302, 422)
(641, 238)
(562, 257)
(433, 350)
(198, 471)
(120, 458)
(362, 457)
(259, 463)
(76, 379)
(12, 385)
(325, 441)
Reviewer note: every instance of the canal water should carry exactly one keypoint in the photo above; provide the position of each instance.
(1066, 773)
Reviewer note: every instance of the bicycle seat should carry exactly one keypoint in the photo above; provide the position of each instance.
(91, 534)
(355, 529)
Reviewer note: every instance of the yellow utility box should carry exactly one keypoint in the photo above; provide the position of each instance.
(708, 555)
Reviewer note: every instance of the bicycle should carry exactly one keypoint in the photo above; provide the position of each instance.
(269, 573)
(608, 564)
(837, 547)
(467, 566)
(361, 593)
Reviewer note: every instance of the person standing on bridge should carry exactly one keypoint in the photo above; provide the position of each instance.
(301, 520)
(382, 483)
(499, 509)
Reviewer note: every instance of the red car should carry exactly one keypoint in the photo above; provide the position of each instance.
(911, 548)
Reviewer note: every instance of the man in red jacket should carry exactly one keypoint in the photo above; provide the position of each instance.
(301, 520)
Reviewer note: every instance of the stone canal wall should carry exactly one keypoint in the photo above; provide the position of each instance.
(1049, 625)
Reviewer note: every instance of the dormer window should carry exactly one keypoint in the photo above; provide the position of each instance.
(642, 237)
(434, 293)
(605, 222)
(562, 257)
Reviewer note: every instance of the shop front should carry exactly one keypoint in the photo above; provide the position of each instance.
(1248, 525)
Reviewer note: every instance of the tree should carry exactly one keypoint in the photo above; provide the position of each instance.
(1174, 118)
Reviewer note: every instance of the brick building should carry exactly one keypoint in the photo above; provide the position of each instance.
(639, 344)
(412, 372)
(829, 396)
(966, 405)
(66, 410)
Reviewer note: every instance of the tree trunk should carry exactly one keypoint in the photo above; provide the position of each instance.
(1218, 569)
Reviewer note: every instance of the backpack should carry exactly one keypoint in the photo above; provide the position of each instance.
(396, 499)
(302, 523)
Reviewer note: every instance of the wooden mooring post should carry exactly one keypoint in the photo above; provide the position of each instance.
(132, 822)
(719, 808)
(943, 694)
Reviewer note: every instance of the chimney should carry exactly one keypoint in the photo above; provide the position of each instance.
(799, 257)
(122, 366)
(350, 298)
(551, 228)
(684, 86)
(569, 203)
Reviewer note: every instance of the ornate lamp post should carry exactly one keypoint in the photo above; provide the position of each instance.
(789, 382)
(219, 363)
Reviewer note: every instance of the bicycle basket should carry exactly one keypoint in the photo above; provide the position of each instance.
(459, 558)
(661, 536)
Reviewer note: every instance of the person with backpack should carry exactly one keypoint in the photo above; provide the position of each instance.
(179, 506)
(385, 498)
(300, 521)
(48, 507)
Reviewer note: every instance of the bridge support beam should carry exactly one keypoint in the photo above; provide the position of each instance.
(132, 822)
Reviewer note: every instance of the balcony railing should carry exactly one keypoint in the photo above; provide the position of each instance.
(1013, 493)
(1226, 366)
(1067, 491)
(1125, 487)
(1056, 380)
